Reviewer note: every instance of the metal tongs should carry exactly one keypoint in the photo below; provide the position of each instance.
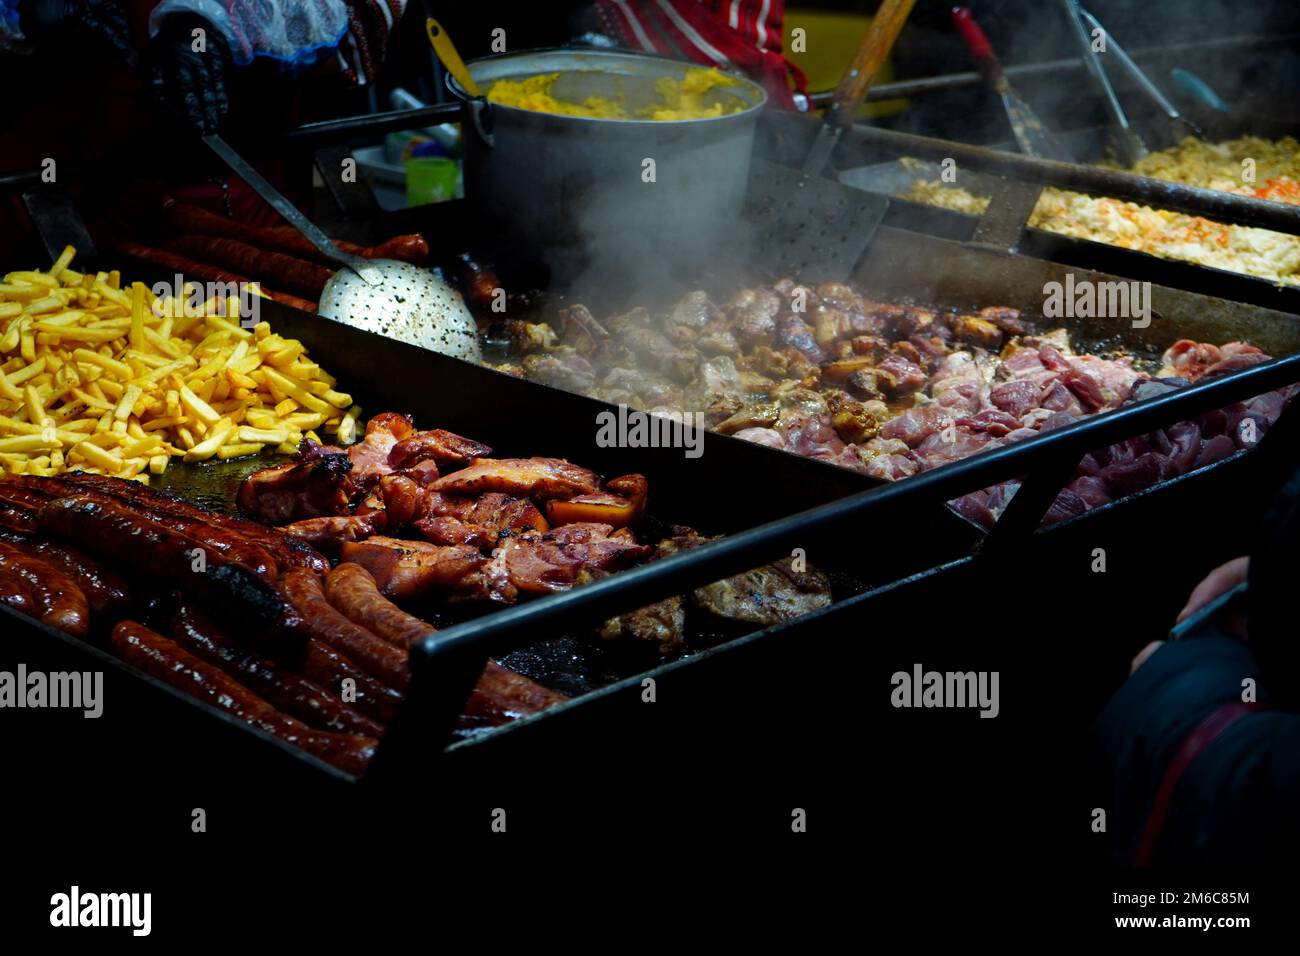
(1129, 144)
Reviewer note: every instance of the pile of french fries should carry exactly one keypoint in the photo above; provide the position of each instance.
(99, 377)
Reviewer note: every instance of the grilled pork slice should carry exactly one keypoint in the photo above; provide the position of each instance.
(369, 456)
(555, 561)
(661, 625)
(407, 569)
(435, 445)
(537, 478)
(317, 487)
(330, 534)
(768, 595)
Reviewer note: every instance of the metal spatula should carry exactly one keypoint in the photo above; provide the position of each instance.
(816, 227)
(395, 299)
(1033, 138)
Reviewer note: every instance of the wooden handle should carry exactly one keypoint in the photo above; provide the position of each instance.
(872, 52)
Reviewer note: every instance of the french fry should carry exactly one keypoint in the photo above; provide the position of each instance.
(208, 447)
(100, 375)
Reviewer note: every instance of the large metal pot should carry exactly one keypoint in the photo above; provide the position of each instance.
(578, 182)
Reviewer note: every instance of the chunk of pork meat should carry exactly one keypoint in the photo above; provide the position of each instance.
(318, 487)
(410, 569)
(539, 478)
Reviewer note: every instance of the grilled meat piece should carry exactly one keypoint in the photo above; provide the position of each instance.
(494, 511)
(318, 487)
(523, 338)
(408, 569)
(405, 501)
(446, 530)
(436, 445)
(581, 330)
(852, 420)
(693, 311)
(977, 331)
(560, 370)
(661, 625)
(329, 534)
(478, 521)
(541, 563)
(538, 478)
(658, 351)
(369, 457)
(768, 595)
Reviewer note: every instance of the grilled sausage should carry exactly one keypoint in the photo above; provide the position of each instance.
(106, 591)
(212, 537)
(352, 590)
(188, 218)
(502, 695)
(321, 620)
(322, 664)
(288, 552)
(15, 519)
(207, 272)
(108, 528)
(15, 592)
(166, 660)
(52, 597)
(278, 685)
(298, 275)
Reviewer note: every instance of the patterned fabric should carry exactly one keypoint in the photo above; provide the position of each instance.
(298, 32)
(743, 33)
(361, 54)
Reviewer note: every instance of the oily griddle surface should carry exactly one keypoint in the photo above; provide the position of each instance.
(569, 664)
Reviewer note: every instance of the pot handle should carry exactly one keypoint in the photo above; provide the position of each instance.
(479, 109)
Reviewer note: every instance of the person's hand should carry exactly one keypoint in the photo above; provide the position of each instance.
(96, 25)
(190, 83)
(1142, 655)
(1219, 581)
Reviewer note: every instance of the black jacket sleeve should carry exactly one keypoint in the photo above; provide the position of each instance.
(1239, 799)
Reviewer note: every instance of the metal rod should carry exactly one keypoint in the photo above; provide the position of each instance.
(515, 627)
(1193, 200)
(899, 89)
(371, 126)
